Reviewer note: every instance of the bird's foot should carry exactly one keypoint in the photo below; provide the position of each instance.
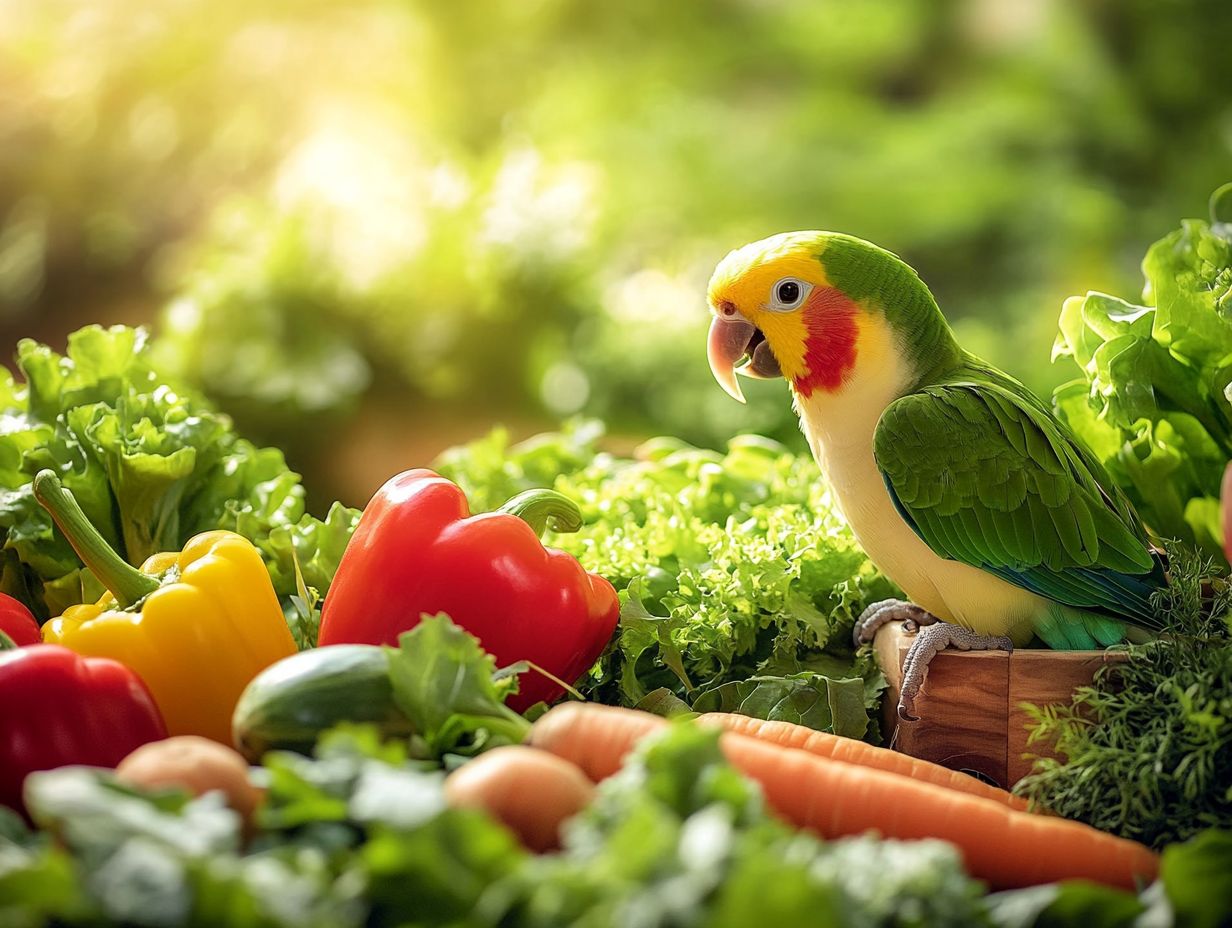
(931, 642)
(882, 613)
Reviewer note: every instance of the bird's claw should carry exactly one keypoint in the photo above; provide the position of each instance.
(882, 613)
(929, 644)
(904, 711)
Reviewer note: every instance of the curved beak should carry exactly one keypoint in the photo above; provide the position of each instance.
(726, 345)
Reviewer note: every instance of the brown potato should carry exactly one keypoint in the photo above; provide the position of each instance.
(530, 791)
(195, 764)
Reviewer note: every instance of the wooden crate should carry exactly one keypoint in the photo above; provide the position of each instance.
(970, 714)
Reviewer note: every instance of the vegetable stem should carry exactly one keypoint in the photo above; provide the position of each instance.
(1220, 200)
(7, 643)
(127, 584)
(544, 509)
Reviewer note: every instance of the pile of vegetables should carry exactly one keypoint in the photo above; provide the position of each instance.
(184, 832)
(675, 833)
(347, 721)
(359, 836)
(738, 577)
(151, 464)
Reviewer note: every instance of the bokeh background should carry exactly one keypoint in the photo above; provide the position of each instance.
(370, 230)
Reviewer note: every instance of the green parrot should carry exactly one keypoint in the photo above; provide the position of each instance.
(960, 485)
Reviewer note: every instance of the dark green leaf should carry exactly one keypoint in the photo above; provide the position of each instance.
(665, 703)
(808, 699)
(1197, 878)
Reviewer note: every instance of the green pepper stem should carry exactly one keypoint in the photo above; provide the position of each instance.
(7, 643)
(543, 509)
(127, 584)
(1221, 199)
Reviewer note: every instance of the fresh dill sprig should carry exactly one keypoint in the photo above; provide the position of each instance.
(1147, 748)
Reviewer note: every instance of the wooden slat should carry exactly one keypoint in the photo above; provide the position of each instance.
(1044, 678)
(970, 708)
(962, 708)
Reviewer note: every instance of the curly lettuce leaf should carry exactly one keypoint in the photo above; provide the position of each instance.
(97, 366)
(153, 448)
(302, 558)
(315, 545)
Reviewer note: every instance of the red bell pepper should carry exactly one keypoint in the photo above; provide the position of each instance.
(17, 622)
(59, 708)
(417, 550)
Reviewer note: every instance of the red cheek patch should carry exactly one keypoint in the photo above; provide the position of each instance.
(830, 345)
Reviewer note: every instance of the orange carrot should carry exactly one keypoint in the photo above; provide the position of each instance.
(532, 792)
(1006, 847)
(596, 738)
(852, 751)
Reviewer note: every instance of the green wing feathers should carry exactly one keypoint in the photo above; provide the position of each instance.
(985, 475)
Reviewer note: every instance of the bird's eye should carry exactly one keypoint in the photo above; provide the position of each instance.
(789, 293)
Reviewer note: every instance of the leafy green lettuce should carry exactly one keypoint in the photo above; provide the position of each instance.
(1153, 400)
(449, 689)
(150, 463)
(738, 579)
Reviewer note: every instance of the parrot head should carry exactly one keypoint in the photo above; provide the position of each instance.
(814, 307)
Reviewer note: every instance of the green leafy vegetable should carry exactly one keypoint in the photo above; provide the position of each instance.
(446, 685)
(37, 881)
(302, 558)
(801, 698)
(1153, 401)
(1079, 904)
(730, 566)
(150, 463)
(1146, 750)
(1197, 879)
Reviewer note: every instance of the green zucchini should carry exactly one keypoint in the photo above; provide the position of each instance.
(290, 703)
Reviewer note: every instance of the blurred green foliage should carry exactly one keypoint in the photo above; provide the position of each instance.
(513, 207)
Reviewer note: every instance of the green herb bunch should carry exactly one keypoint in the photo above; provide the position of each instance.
(1147, 748)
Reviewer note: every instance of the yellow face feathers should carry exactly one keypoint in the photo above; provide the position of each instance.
(747, 275)
(746, 279)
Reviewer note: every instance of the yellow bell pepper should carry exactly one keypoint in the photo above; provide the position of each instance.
(195, 626)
